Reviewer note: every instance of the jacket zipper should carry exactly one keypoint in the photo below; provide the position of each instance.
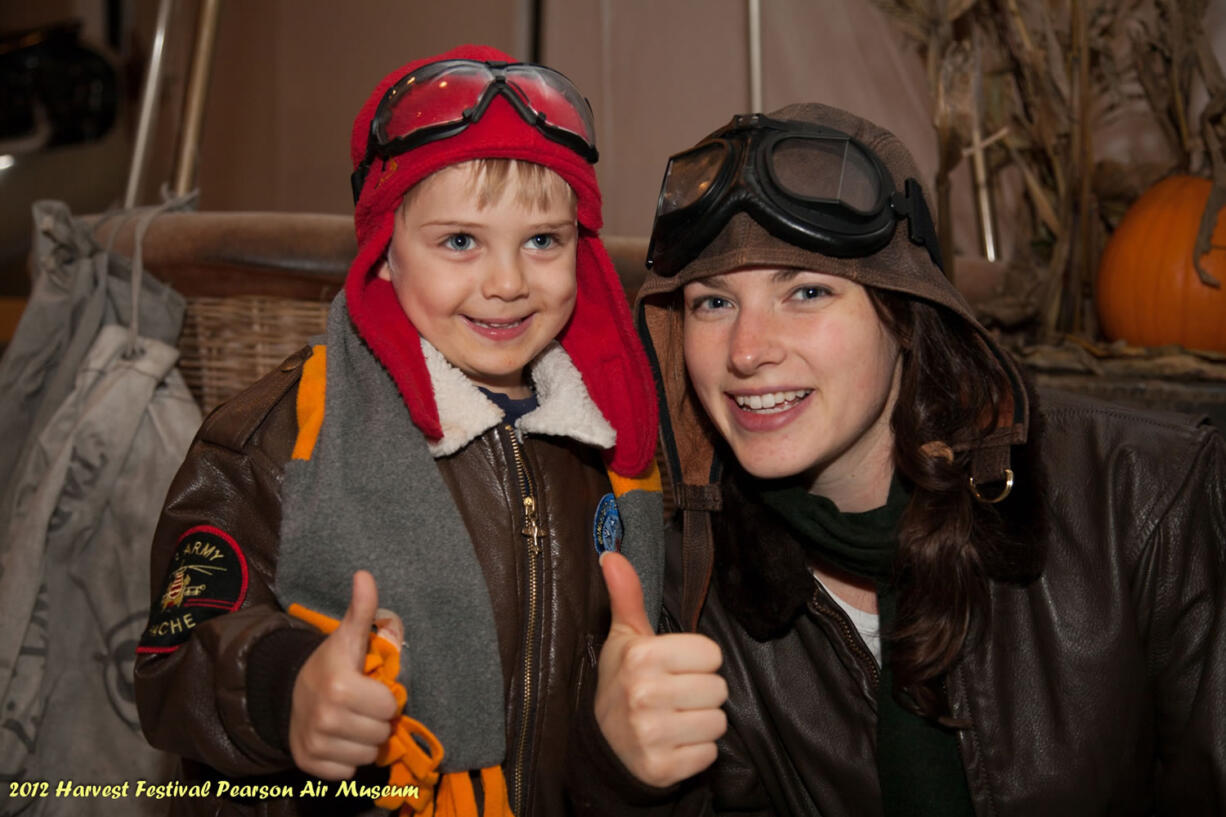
(531, 531)
(850, 636)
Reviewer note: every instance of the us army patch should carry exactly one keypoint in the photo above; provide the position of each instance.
(207, 577)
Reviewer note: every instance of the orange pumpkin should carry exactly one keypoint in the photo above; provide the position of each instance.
(1149, 293)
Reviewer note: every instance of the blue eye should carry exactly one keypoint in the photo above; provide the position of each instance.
(542, 241)
(459, 242)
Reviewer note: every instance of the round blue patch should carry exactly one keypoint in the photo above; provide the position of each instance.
(607, 526)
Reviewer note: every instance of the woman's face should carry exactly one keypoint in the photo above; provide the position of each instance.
(799, 375)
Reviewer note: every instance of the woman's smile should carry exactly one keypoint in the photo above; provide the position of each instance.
(768, 411)
(771, 401)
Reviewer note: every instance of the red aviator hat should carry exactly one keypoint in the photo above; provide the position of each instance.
(599, 336)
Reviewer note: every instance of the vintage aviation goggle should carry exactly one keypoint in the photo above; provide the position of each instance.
(807, 184)
(441, 99)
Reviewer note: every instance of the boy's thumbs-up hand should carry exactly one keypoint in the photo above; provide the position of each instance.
(339, 717)
(658, 697)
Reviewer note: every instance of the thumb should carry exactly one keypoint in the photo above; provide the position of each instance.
(354, 629)
(625, 594)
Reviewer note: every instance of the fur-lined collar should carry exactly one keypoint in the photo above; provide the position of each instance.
(565, 408)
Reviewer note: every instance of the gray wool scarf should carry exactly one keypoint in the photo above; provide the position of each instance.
(371, 497)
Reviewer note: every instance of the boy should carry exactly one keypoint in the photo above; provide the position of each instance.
(440, 453)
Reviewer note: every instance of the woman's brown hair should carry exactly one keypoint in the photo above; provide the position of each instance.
(949, 545)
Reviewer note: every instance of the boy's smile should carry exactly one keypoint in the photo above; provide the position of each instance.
(488, 283)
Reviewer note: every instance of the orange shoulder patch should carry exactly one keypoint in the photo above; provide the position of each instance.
(311, 389)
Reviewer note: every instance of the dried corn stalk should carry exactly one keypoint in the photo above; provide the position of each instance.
(931, 23)
(1054, 72)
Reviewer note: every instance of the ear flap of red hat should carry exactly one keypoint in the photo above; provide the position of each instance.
(601, 341)
(382, 323)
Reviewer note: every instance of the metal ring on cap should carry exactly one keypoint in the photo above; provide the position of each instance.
(1003, 494)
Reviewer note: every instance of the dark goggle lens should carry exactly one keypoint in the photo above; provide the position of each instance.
(689, 176)
(441, 93)
(827, 170)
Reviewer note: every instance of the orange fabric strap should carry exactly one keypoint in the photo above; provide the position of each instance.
(413, 753)
(310, 406)
(648, 481)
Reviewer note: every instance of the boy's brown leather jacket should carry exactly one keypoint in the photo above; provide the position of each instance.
(222, 698)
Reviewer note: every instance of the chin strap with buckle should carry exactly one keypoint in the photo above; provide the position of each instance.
(697, 503)
(990, 464)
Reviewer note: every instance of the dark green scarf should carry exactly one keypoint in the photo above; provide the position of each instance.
(918, 762)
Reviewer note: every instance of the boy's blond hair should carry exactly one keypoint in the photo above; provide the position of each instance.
(536, 186)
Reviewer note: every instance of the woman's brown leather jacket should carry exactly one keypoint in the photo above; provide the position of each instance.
(1099, 688)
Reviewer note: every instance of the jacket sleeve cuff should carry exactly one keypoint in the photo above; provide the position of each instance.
(599, 783)
(272, 669)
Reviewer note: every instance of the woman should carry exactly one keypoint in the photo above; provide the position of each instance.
(932, 592)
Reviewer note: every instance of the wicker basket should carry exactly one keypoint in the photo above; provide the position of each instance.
(229, 343)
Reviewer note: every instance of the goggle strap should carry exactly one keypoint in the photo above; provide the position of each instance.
(357, 179)
(920, 228)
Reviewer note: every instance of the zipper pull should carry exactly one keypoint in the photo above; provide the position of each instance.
(531, 528)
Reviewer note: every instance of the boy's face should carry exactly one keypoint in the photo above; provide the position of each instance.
(490, 286)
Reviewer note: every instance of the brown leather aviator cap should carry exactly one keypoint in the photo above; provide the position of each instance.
(901, 265)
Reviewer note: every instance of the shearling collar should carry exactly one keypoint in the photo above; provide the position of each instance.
(565, 408)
